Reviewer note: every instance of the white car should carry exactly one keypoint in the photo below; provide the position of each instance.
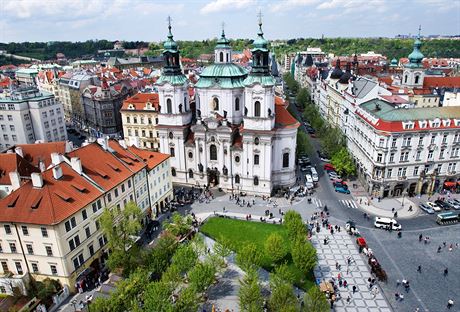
(433, 206)
(387, 223)
(454, 204)
(334, 176)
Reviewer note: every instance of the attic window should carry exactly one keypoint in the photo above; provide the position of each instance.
(12, 203)
(36, 202)
(101, 173)
(79, 187)
(63, 196)
(114, 167)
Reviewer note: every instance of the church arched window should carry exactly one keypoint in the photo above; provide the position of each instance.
(285, 160)
(169, 106)
(257, 109)
(237, 104)
(213, 152)
(405, 78)
(237, 179)
(173, 172)
(256, 180)
(190, 173)
(215, 102)
(221, 56)
(417, 78)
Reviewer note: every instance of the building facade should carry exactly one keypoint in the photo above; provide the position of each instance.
(28, 115)
(242, 139)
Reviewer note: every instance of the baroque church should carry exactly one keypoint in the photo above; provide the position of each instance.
(239, 135)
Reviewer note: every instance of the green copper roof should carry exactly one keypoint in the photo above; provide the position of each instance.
(223, 42)
(260, 43)
(389, 113)
(416, 57)
(176, 80)
(224, 70)
(263, 80)
(223, 83)
(394, 62)
(170, 45)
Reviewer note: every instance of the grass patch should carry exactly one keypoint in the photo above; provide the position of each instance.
(240, 232)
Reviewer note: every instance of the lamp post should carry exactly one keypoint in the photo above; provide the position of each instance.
(404, 194)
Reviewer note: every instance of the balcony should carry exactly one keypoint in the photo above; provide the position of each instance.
(406, 147)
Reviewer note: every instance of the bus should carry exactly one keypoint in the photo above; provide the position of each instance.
(447, 218)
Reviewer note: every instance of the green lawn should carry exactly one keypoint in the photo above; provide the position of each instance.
(240, 232)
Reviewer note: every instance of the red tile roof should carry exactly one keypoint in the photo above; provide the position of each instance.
(128, 158)
(152, 159)
(284, 119)
(387, 80)
(101, 165)
(33, 153)
(448, 82)
(10, 162)
(54, 202)
(140, 99)
(394, 99)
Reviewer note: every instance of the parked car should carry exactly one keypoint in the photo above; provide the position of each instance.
(337, 183)
(453, 204)
(426, 208)
(329, 167)
(341, 189)
(442, 204)
(433, 206)
(334, 176)
(387, 223)
(323, 156)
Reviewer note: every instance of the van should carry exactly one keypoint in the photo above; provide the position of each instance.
(314, 175)
(387, 223)
(309, 182)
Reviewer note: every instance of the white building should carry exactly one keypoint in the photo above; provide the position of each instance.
(243, 138)
(28, 115)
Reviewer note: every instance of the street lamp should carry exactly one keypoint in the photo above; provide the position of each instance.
(404, 194)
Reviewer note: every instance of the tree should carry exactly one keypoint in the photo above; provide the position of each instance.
(275, 247)
(157, 297)
(282, 296)
(303, 97)
(222, 247)
(249, 257)
(172, 276)
(303, 144)
(179, 225)
(294, 225)
(315, 301)
(159, 258)
(202, 275)
(250, 296)
(332, 140)
(343, 162)
(303, 255)
(120, 228)
(284, 273)
(184, 258)
(188, 301)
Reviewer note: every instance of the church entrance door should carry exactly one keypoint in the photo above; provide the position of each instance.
(213, 177)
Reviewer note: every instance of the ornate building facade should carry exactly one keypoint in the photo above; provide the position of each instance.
(240, 137)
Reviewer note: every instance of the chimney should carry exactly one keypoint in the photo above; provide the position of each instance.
(57, 172)
(15, 180)
(41, 165)
(18, 151)
(56, 159)
(75, 162)
(122, 144)
(37, 180)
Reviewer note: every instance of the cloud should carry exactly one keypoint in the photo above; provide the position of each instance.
(364, 5)
(290, 4)
(226, 5)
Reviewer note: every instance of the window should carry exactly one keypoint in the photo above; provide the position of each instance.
(404, 156)
(256, 141)
(420, 141)
(417, 79)
(237, 159)
(405, 78)
(418, 155)
(381, 141)
(129, 183)
(13, 248)
(256, 159)
(123, 188)
(10, 118)
(91, 249)
(53, 269)
(285, 160)
(49, 251)
(444, 139)
(116, 192)
(430, 155)
(173, 172)
(406, 141)
(392, 157)
(379, 158)
(30, 249)
(441, 153)
(168, 106)
(84, 214)
(416, 171)
(98, 225)
(88, 232)
(237, 104)
(215, 102)
(393, 142)
(190, 155)
(7, 228)
(221, 56)
(400, 172)
(389, 173)
(172, 152)
(109, 198)
(12, 128)
(34, 267)
(70, 224)
(5, 266)
(237, 179)
(257, 109)
(190, 173)
(433, 138)
(44, 231)
(19, 267)
(128, 120)
(212, 152)
(256, 180)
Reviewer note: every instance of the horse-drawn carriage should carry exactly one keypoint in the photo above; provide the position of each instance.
(350, 226)
(376, 269)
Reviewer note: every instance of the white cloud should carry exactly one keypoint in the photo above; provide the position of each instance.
(363, 5)
(290, 4)
(226, 5)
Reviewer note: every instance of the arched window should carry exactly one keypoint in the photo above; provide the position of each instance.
(237, 104)
(221, 57)
(213, 152)
(256, 141)
(228, 57)
(257, 109)
(190, 173)
(237, 179)
(169, 106)
(256, 180)
(173, 172)
(215, 102)
(285, 160)
(405, 79)
(417, 79)
(185, 103)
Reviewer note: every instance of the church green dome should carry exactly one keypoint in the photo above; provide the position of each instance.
(223, 42)
(170, 45)
(416, 57)
(260, 43)
(394, 62)
(223, 70)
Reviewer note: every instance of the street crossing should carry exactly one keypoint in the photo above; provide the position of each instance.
(349, 203)
(317, 202)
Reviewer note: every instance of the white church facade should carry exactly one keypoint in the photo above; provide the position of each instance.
(240, 136)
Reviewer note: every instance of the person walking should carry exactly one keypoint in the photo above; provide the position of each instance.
(419, 269)
(446, 271)
(420, 237)
(354, 288)
(450, 304)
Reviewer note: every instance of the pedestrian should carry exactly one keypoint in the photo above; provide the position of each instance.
(446, 271)
(345, 283)
(354, 288)
(397, 282)
(410, 208)
(340, 283)
(349, 299)
(439, 249)
(450, 303)
(336, 265)
(419, 269)
(420, 237)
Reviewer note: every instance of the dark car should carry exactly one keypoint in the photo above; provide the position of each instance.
(340, 184)
(442, 204)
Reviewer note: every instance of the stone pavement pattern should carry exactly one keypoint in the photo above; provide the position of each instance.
(339, 248)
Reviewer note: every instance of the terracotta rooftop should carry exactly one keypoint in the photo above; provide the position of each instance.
(140, 99)
(33, 153)
(54, 202)
(152, 159)
(128, 158)
(447, 82)
(10, 162)
(283, 118)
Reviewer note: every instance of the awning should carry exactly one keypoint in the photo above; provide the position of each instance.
(449, 184)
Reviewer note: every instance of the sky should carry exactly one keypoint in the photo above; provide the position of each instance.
(146, 20)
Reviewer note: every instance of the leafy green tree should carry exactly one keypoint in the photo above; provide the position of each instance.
(172, 276)
(275, 247)
(294, 225)
(343, 162)
(284, 273)
(188, 300)
(282, 296)
(202, 276)
(250, 296)
(160, 256)
(303, 97)
(303, 255)
(120, 228)
(315, 301)
(332, 140)
(157, 297)
(303, 144)
(222, 247)
(184, 258)
(179, 225)
(249, 257)
(100, 305)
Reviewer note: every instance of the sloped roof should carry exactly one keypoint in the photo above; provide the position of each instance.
(152, 159)
(54, 202)
(33, 153)
(284, 119)
(128, 158)
(447, 82)
(140, 99)
(11, 162)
